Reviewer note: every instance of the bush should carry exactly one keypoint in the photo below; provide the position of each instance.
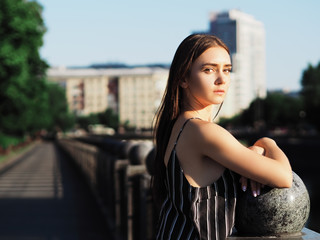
(7, 141)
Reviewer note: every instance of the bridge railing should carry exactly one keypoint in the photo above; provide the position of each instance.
(117, 174)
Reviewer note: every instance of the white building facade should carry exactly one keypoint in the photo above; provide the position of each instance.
(133, 93)
(245, 37)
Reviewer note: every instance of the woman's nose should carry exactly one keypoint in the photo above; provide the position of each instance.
(221, 79)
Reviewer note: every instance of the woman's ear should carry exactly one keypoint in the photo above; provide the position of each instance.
(184, 83)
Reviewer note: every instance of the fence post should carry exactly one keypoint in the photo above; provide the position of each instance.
(136, 203)
(121, 198)
(137, 191)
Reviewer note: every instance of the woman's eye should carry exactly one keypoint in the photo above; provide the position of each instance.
(227, 70)
(208, 70)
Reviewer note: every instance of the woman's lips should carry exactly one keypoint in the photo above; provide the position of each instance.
(219, 91)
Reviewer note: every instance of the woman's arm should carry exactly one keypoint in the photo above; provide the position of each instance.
(272, 168)
(272, 151)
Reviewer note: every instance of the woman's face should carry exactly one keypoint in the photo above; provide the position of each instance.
(209, 78)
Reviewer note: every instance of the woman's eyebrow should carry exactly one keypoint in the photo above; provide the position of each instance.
(215, 65)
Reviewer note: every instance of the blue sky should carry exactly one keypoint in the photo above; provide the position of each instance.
(82, 32)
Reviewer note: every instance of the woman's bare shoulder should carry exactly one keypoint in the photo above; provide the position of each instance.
(209, 137)
(205, 129)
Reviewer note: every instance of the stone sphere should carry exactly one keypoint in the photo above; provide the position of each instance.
(275, 212)
(150, 161)
(139, 152)
(125, 148)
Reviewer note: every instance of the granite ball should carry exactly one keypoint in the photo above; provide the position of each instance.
(139, 152)
(150, 160)
(275, 212)
(125, 148)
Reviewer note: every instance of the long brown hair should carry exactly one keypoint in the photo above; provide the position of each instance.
(170, 108)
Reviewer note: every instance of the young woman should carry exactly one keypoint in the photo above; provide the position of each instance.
(196, 159)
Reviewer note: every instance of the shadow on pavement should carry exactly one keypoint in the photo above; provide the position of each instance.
(42, 196)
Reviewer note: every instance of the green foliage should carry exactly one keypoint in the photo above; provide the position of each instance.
(27, 102)
(276, 110)
(6, 141)
(60, 118)
(84, 121)
(282, 110)
(23, 90)
(311, 94)
(233, 121)
(279, 109)
(107, 118)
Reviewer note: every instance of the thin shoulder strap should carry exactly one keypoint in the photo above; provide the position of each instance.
(184, 124)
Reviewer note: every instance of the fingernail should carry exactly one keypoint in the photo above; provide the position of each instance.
(244, 188)
(254, 193)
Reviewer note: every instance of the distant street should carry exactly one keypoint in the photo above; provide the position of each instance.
(42, 197)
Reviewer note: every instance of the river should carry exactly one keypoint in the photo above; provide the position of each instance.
(304, 157)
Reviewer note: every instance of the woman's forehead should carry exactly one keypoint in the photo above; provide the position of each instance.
(214, 55)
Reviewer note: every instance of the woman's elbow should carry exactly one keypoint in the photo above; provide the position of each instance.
(287, 181)
(288, 184)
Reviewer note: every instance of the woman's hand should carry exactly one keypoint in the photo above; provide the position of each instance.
(255, 186)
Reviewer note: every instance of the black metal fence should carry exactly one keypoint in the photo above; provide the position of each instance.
(118, 175)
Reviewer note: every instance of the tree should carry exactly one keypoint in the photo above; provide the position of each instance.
(311, 94)
(23, 97)
(60, 117)
(109, 118)
(282, 110)
(276, 110)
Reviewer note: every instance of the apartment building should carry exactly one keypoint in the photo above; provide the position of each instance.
(133, 93)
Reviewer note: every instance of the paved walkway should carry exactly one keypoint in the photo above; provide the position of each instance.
(42, 197)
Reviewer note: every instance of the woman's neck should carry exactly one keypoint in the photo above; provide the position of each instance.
(204, 113)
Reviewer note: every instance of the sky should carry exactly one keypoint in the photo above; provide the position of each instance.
(84, 32)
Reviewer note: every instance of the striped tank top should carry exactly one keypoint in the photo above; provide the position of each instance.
(196, 213)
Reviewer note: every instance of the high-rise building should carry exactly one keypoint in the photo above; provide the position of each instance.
(245, 37)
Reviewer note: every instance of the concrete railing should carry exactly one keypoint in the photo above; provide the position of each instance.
(117, 172)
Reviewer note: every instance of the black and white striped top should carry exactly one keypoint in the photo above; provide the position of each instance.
(196, 213)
